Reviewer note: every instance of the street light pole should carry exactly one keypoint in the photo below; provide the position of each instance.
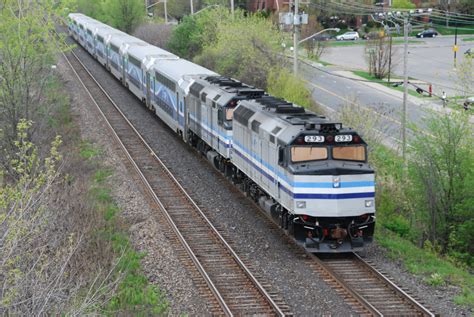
(296, 43)
(405, 86)
(317, 33)
(295, 40)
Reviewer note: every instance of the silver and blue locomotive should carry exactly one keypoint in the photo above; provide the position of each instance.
(310, 174)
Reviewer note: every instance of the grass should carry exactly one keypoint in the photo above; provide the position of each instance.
(466, 29)
(134, 296)
(436, 271)
(400, 88)
(468, 39)
(87, 150)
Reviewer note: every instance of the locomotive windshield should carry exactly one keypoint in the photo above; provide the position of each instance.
(308, 153)
(317, 153)
(349, 153)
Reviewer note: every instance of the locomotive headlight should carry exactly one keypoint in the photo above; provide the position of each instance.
(300, 204)
(336, 182)
(369, 203)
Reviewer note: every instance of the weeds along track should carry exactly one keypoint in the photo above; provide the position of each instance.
(371, 291)
(234, 289)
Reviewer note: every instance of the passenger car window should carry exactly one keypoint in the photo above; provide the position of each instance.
(308, 153)
(349, 153)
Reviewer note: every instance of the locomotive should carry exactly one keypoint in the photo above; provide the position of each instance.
(310, 174)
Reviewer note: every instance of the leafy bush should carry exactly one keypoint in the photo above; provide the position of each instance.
(435, 279)
(398, 224)
(282, 83)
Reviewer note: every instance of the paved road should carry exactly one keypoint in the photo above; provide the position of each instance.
(430, 60)
(334, 92)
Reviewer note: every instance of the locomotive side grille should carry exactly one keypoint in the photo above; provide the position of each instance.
(195, 89)
(242, 115)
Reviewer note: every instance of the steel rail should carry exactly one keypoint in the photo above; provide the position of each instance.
(340, 281)
(188, 249)
(397, 300)
(395, 288)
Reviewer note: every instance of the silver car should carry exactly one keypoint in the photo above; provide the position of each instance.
(352, 35)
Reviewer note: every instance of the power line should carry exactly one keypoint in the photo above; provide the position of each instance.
(367, 10)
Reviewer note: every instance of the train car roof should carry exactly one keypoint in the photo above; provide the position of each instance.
(223, 89)
(143, 52)
(280, 118)
(119, 39)
(74, 16)
(176, 70)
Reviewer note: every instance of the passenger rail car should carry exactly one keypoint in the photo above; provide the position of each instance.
(310, 174)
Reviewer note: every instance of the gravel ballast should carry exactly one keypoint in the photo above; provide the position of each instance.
(270, 255)
(161, 265)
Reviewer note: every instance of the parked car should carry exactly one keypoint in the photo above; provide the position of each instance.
(468, 103)
(352, 35)
(427, 33)
(469, 52)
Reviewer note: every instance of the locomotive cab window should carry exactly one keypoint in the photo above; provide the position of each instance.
(308, 153)
(349, 153)
(229, 114)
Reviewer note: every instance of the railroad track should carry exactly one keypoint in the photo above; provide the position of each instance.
(369, 291)
(235, 289)
(362, 286)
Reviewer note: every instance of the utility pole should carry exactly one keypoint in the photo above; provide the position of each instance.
(192, 7)
(295, 39)
(166, 11)
(405, 87)
(232, 8)
(447, 13)
(390, 59)
(405, 17)
(455, 48)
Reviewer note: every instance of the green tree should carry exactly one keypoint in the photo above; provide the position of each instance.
(94, 9)
(124, 14)
(194, 32)
(442, 173)
(403, 4)
(465, 6)
(28, 50)
(245, 47)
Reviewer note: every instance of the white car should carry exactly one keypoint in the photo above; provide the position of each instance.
(348, 36)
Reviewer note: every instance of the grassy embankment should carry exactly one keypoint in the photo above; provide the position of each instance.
(393, 233)
(134, 295)
(400, 88)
